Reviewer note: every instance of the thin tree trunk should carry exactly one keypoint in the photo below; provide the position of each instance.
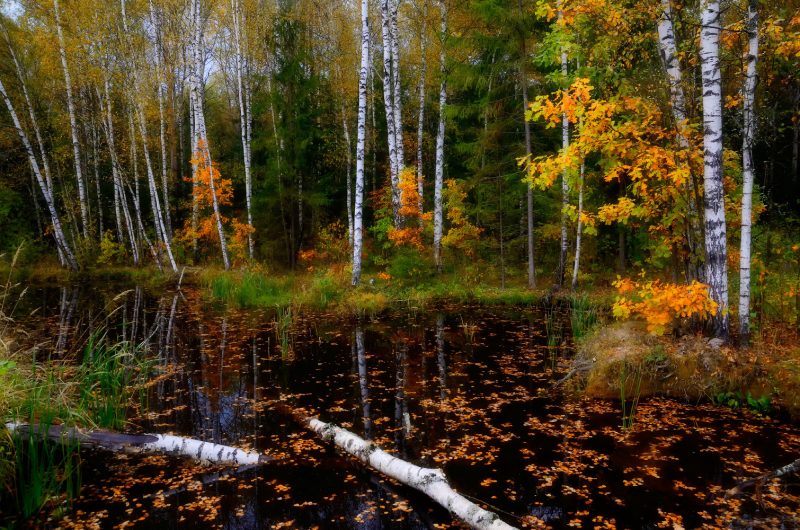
(524, 82)
(669, 56)
(579, 233)
(73, 124)
(397, 88)
(159, 53)
(158, 217)
(201, 134)
(348, 176)
(562, 260)
(58, 232)
(96, 167)
(31, 113)
(748, 135)
(421, 117)
(243, 116)
(361, 137)
(714, 200)
(120, 201)
(439, 179)
(388, 104)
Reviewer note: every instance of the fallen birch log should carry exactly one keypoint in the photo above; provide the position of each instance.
(785, 470)
(204, 452)
(431, 482)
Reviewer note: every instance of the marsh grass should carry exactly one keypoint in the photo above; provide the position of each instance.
(554, 327)
(109, 377)
(584, 316)
(630, 389)
(283, 327)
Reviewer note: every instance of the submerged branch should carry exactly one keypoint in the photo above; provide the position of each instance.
(760, 480)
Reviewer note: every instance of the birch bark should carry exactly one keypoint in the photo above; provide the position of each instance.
(158, 217)
(361, 137)
(76, 151)
(244, 115)
(562, 259)
(714, 199)
(421, 117)
(439, 178)
(201, 134)
(58, 233)
(397, 88)
(524, 82)
(388, 104)
(748, 135)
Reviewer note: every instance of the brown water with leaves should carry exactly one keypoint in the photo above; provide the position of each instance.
(466, 389)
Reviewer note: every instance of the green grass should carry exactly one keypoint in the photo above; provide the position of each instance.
(584, 315)
(108, 378)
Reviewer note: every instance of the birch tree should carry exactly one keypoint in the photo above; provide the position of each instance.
(562, 259)
(523, 71)
(201, 145)
(669, 57)
(423, 70)
(389, 107)
(438, 209)
(58, 232)
(748, 167)
(76, 151)
(158, 216)
(245, 116)
(397, 105)
(714, 199)
(360, 140)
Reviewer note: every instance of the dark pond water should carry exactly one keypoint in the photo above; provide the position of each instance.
(469, 390)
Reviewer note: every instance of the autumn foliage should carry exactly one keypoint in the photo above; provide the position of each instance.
(206, 230)
(410, 234)
(662, 304)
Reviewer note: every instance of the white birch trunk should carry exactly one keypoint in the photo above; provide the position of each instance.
(120, 200)
(348, 176)
(431, 482)
(58, 232)
(73, 124)
(199, 450)
(438, 210)
(361, 137)
(159, 53)
(579, 233)
(421, 117)
(669, 56)
(200, 125)
(243, 115)
(714, 200)
(137, 203)
(96, 167)
(397, 88)
(748, 135)
(158, 217)
(528, 151)
(31, 113)
(388, 104)
(562, 260)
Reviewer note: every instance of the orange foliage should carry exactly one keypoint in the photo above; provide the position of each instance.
(662, 303)
(238, 231)
(411, 233)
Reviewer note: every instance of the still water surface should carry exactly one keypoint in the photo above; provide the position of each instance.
(467, 389)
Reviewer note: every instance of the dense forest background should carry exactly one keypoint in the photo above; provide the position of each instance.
(227, 132)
